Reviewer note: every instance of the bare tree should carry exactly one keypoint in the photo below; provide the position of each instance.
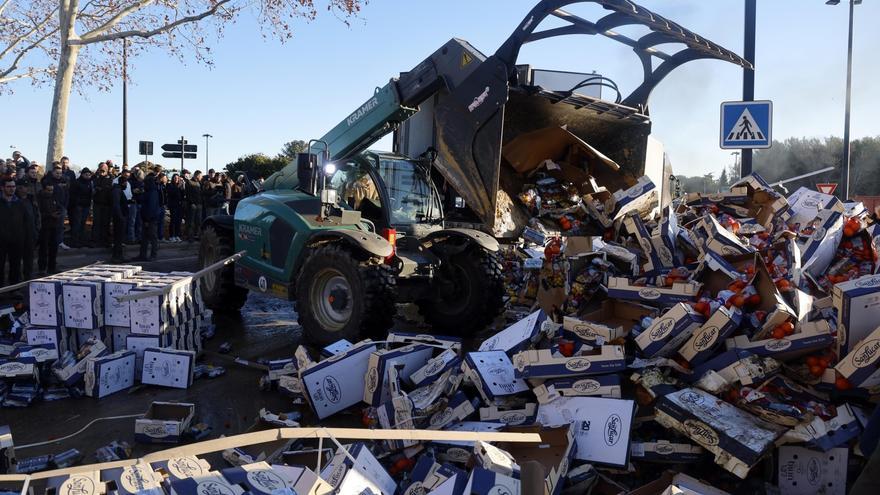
(80, 41)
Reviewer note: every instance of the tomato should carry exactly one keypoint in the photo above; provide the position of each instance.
(787, 327)
(566, 348)
(848, 232)
(783, 284)
(701, 307)
(754, 300)
(565, 223)
(778, 333)
(738, 300)
(812, 361)
(842, 383)
(816, 371)
(825, 361)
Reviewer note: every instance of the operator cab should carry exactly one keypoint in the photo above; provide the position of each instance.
(391, 191)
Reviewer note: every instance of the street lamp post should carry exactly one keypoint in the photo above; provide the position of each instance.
(206, 136)
(844, 173)
(737, 164)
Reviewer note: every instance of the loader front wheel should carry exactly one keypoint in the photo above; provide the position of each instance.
(219, 291)
(468, 292)
(340, 296)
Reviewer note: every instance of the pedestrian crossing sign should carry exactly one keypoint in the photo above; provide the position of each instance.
(746, 124)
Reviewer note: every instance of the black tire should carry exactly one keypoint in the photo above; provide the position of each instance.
(360, 295)
(478, 296)
(219, 291)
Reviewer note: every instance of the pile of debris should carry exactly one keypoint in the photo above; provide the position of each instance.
(729, 329)
(81, 336)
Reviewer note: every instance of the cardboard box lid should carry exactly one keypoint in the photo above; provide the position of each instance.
(526, 151)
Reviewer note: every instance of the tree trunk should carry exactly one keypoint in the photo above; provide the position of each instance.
(63, 82)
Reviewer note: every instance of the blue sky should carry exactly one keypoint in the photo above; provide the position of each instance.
(262, 93)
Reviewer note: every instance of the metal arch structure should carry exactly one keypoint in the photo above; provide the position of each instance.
(623, 13)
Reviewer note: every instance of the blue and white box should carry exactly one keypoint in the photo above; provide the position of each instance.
(168, 367)
(151, 314)
(356, 471)
(737, 438)
(335, 348)
(109, 374)
(622, 288)
(524, 415)
(164, 422)
(669, 331)
(641, 198)
(24, 368)
(47, 335)
(178, 468)
(595, 386)
(493, 374)
(518, 336)
(818, 250)
(72, 372)
(260, 478)
(806, 472)
(138, 479)
(46, 303)
(211, 483)
(117, 313)
(435, 367)
(442, 341)
(408, 359)
(601, 426)
(709, 337)
(543, 363)
(457, 409)
(83, 304)
(334, 384)
(808, 337)
(139, 343)
(83, 483)
(857, 303)
(43, 353)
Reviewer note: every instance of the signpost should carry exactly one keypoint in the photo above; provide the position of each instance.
(746, 124)
(145, 148)
(180, 150)
(826, 187)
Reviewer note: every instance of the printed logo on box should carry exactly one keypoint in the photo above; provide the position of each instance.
(500, 490)
(213, 488)
(646, 245)
(665, 256)
(441, 417)
(612, 430)
(706, 338)
(586, 386)
(183, 467)
(331, 389)
(154, 430)
(701, 432)
(866, 353)
(337, 474)
(372, 380)
(578, 364)
(267, 481)
(814, 472)
(664, 449)
(12, 367)
(715, 197)
(415, 489)
(661, 329)
(728, 250)
(513, 418)
(777, 345)
(868, 282)
(434, 366)
(77, 485)
(691, 398)
(133, 479)
(649, 293)
(458, 454)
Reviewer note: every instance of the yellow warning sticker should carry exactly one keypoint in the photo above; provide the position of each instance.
(466, 58)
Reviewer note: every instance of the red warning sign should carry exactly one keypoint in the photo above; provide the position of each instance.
(827, 187)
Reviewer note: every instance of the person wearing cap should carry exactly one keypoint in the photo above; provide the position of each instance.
(81, 192)
(20, 160)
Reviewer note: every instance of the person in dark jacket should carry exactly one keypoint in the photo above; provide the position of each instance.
(50, 215)
(81, 192)
(102, 205)
(149, 211)
(136, 186)
(194, 201)
(119, 210)
(12, 232)
(61, 190)
(175, 195)
(162, 187)
(29, 200)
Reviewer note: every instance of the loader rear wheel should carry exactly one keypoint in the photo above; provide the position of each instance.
(340, 295)
(468, 292)
(219, 291)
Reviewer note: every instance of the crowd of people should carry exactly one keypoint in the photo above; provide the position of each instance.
(52, 208)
